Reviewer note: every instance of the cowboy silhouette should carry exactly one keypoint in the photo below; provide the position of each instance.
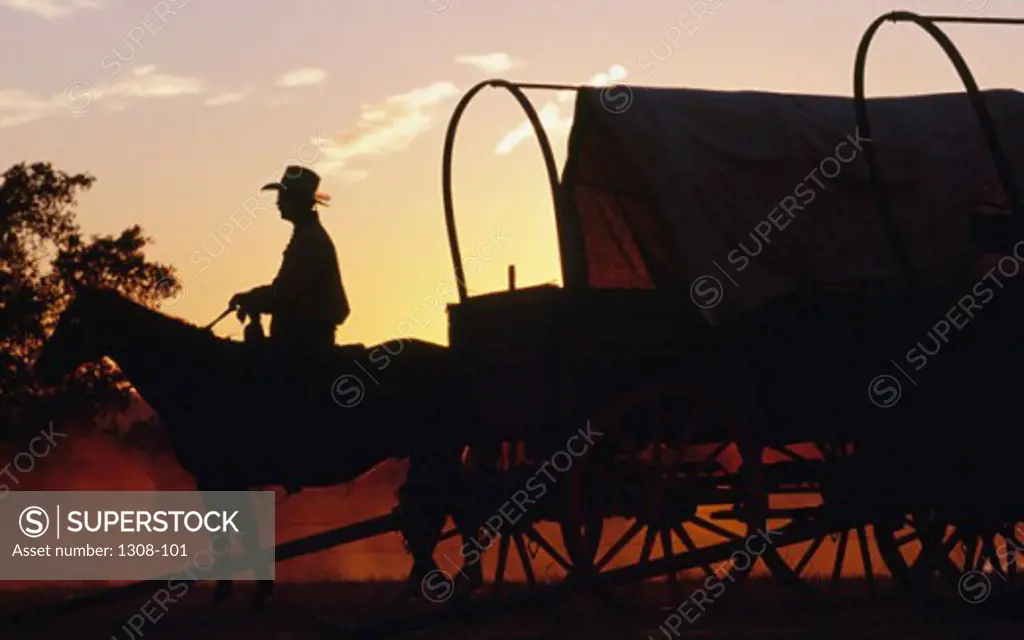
(306, 301)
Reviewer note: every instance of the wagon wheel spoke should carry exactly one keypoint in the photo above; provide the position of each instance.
(717, 451)
(499, 572)
(947, 539)
(989, 559)
(789, 453)
(865, 554)
(837, 568)
(1011, 536)
(711, 458)
(949, 544)
(687, 541)
(1001, 559)
(1013, 552)
(713, 528)
(971, 554)
(808, 555)
(887, 541)
(907, 538)
(666, 550)
(619, 545)
(1011, 564)
(449, 533)
(524, 558)
(645, 554)
(542, 542)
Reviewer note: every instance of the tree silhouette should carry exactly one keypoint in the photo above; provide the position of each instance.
(42, 253)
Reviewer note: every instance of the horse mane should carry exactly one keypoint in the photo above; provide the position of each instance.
(134, 313)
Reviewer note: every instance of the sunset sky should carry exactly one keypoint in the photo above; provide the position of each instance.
(183, 108)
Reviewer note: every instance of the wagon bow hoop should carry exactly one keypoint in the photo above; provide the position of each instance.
(516, 89)
(977, 100)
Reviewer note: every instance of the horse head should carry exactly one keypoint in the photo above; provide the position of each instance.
(76, 340)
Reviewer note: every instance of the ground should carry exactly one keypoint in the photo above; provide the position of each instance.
(301, 610)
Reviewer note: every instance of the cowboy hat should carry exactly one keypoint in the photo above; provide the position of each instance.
(299, 182)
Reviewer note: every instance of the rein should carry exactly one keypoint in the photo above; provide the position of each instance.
(210, 326)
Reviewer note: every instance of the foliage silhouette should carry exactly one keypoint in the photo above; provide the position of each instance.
(42, 256)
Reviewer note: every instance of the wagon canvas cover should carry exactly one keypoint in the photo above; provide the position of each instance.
(763, 191)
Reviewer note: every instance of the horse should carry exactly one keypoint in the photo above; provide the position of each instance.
(328, 418)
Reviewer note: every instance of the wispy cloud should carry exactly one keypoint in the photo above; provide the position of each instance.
(228, 97)
(144, 83)
(19, 107)
(383, 128)
(304, 77)
(490, 62)
(51, 9)
(557, 123)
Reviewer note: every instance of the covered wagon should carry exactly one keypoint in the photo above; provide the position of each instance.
(745, 298)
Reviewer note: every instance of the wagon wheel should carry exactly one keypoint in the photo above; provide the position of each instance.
(816, 487)
(517, 546)
(667, 463)
(980, 562)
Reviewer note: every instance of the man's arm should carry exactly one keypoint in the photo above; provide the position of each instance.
(289, 285)
(260, 299)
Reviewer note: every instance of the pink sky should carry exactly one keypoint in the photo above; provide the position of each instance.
(183, 108)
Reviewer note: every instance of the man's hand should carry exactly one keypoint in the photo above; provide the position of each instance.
(238, 303)
(252, 302)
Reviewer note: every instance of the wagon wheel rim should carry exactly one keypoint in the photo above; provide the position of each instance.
(836, 545)
(671, 521)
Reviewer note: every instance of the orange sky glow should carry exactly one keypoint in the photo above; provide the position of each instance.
(182, 109)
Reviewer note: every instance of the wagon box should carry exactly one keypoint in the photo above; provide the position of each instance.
(530, 361)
